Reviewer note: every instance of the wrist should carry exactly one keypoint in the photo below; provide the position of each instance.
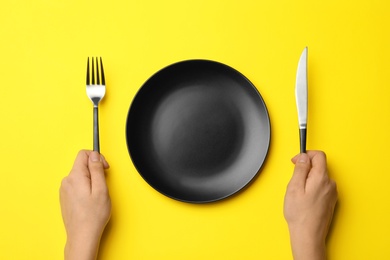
(82, 246)
(307, 244)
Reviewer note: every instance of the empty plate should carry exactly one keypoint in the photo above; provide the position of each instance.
(198, 131)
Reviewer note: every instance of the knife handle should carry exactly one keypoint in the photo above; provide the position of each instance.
(302, 137)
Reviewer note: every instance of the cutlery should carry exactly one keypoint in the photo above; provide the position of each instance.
(96, 89)
(301, 98)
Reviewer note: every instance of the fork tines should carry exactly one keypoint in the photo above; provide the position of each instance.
(95, 69)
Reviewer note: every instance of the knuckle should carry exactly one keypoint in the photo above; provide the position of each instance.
(322, 154)
(81, 152)
(292, 189)
(96, 168)
(334, 186)
(302, 168)
(66, 184)
(331, 188)
(102, 194)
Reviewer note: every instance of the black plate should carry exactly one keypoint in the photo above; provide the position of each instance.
(198, 131)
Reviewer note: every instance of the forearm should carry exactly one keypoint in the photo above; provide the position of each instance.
(306, 246)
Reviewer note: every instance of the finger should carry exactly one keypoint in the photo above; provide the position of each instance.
(319, 162)
(80, 165)
(310, 153)
(96, 168)
(294, 159)
(106, 165)
(301, 171)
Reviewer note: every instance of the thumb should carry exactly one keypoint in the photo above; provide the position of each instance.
(301, 171)
(96, 168)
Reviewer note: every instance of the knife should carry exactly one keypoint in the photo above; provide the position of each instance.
(301, 98)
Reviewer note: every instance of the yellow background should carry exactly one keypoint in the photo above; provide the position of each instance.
(46, 117)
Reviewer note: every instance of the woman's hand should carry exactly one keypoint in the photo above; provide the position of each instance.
(85, 205)
(309, 204)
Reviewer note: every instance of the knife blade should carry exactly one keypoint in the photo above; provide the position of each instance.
(301, 98)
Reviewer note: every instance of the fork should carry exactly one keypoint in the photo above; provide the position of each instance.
(96, 89)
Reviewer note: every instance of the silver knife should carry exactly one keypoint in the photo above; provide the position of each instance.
(301, 98)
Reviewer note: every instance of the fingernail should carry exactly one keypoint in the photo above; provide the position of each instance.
(303, 158)
(94, 156)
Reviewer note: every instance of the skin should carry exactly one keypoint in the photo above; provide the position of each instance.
(309, 204)
(85, 205)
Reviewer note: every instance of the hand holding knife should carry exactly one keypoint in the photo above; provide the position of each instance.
(301, 98)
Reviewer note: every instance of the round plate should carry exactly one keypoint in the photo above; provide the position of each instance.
(198, 131)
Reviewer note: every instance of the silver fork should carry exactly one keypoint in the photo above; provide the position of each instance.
(96, 89)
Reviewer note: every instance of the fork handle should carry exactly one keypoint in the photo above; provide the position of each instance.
(96, 145)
